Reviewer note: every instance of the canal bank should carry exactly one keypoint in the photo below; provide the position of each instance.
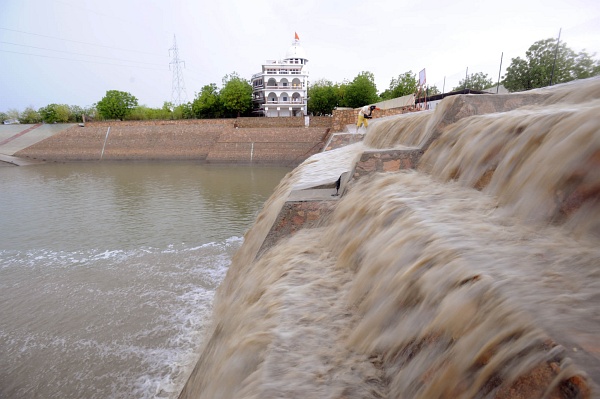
(282, 141)
(285, 141)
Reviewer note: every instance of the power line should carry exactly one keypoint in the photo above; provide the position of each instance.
(89, 10)
(91, 62)
(86, 55)
(76, 41)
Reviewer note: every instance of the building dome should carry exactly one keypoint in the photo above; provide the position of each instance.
(295, 51)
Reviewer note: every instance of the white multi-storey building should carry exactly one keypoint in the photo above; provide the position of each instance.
(280, 89)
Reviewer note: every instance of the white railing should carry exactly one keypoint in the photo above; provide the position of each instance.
(284, 72)
(282, 87)
(293, 102)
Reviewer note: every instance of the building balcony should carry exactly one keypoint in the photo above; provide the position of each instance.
(292, 102)
(283, 72)
(278, 72)
(282, 87)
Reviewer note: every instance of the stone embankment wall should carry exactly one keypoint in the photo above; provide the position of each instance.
(293, 121)
(127, 142)
(211, 140)
(241, 140)
(348, 116)
(177, 122)
(270, 145)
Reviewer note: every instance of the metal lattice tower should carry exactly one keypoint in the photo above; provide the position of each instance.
(178, 94)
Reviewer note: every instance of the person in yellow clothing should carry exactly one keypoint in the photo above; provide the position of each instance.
(364, 114)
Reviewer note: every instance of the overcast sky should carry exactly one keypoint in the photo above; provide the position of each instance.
(73, 51)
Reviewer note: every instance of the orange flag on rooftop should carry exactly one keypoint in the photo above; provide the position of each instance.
(297, 38)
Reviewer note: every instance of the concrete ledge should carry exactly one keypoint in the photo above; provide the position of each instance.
(298, 215)
(338, 140)
(386, 161)
(16, 161)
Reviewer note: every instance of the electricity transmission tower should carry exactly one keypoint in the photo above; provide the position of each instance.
(178, 95)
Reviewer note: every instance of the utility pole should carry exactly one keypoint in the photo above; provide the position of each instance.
(178, 94)
(499, 72)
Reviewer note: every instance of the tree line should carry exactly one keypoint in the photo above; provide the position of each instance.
(546, 62)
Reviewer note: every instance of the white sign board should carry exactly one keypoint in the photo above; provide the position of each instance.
(422, 77)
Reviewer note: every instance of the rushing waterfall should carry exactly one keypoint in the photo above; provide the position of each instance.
(475, 275)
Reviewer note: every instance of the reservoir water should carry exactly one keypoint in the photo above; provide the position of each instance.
(108, 271)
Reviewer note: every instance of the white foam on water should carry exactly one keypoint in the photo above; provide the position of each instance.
(106, 323)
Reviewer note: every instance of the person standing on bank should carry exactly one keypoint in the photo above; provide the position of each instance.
(364, 114)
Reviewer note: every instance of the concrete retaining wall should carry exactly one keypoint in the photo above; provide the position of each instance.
(179, 122)
(339, 140)
(344, 117)
(292, 121)
(273, 145)
(181, 141)
(294, 216)
(386, 161)
(211, 142)
(286, 122)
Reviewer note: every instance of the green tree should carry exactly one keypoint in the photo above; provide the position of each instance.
(3, 116)
(184, 111)
(207, 103)
(143, 112)
(55, 113)
(139, 113)
(429, 91)
(361, 91)
(48, 113)
(30, 115)
(341, 93)
(536, 69)
(168, 111)
(13, 114)
(404, 85)
(323, 97)
(116, 104)
(475, 81)
(76, 113)
(236, 95)
(63, 113)
(585, 66)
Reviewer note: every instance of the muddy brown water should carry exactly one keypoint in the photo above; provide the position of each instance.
(441, 282)
(108, 271)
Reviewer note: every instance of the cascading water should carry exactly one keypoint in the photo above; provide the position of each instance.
(476, 275)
